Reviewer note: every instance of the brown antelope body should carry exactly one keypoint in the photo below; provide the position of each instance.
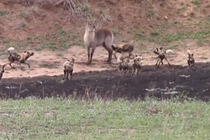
(97, 37)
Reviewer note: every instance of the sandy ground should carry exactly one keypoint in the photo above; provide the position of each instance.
(50, 63)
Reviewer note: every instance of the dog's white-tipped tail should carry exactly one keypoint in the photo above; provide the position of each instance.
(169, 51)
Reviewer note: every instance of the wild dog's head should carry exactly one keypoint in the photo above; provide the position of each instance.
(10, 50)
(27, 54)
(137, 58)
(191, 56)
(69, 62)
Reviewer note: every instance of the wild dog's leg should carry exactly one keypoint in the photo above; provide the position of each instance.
(167, 61)
(26, 64)
(64, 74)
(71, 74)
(115, 54)
(11, 65)
(157, 62)
(67, 75)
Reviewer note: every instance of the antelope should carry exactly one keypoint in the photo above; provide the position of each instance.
(191, 61)
(13, 57)
(123, 49)
(137, 64)
(97, 37)
(2, 72)
(68, 68)
(161, 56)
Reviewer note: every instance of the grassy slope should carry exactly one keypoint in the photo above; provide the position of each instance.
(70, 119)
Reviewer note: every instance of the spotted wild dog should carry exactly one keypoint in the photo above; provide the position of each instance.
(191, 61)
(137, 64)
(124, 65)
(68, 68)
(15, 57)
(161, 56)
(2, 72)
(24, 57)
(126, 48)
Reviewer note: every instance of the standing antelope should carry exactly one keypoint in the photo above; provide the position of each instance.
(97, 37)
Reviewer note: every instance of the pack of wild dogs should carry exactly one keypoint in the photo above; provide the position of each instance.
(94, 38)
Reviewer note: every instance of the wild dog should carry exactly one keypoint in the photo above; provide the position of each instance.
(2, 71)
(24, 57)
(161, 56)
(68, 69)
(124, 65)
(97, 37)
(191, 61)
(137, 64)
(123, 49)
(15, 57)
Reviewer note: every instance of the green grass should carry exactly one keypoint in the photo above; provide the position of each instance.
(201, 36)
(3, 13)
(79, 119)
(115, 31)
(149, 13)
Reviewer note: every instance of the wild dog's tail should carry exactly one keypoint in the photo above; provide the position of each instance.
(169, 51)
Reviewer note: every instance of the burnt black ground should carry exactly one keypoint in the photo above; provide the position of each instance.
(163, 82)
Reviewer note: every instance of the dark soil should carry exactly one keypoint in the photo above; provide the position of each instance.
(163, 82)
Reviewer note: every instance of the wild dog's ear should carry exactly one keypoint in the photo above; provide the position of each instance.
(192, 54)
(73, 60)
(161, 48)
